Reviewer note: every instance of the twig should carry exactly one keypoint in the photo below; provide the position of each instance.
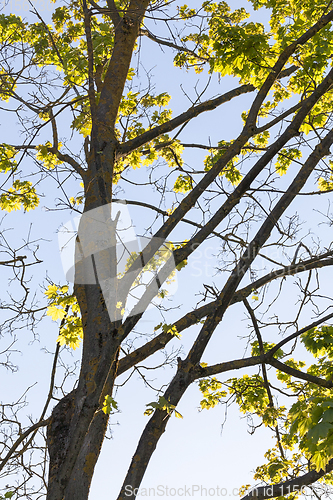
(264, 371)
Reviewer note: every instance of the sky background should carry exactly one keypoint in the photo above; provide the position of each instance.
(209, 448)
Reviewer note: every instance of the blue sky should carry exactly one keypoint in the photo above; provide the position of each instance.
(209, 448)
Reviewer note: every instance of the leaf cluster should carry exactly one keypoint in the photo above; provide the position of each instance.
(64, 306)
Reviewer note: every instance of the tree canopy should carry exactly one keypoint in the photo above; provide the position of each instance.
(89, 130)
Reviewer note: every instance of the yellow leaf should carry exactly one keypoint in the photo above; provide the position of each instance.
(51, 291)
(55, 313)
(324, 185)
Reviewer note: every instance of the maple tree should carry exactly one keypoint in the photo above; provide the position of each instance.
(80, 70)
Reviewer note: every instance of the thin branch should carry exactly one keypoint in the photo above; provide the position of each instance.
(101, 10)
(165, 214)
(293, 336)
(53, 44)
(219, 148)
(111, 11)
(34, 427)
(54, 369)
(13, 261)
(167, 43)
(264, 371)
(278, 66)
(68, 159)
(279, 118)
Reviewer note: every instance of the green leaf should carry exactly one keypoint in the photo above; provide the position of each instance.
(22, 194)
(183, 184)
(109, 405)
(285, 158)
(319, 431)
(162, 404)
(172, 329)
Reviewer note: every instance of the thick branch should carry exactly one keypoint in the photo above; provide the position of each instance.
(227, 366)
(233, 199)
(192, 112)
(299, 374)
(54, 129)
(113, 12)
(12, 262)
(126, 32)
(193, 317)
(188, 115)
(287, 487)
(321, 150)
(153, 431)
(246, 182)
(90, 51)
